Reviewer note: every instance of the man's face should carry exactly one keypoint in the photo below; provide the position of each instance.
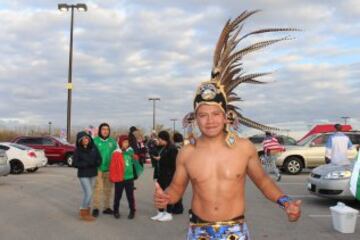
(105, 131)
(210, 119)
(162, 142)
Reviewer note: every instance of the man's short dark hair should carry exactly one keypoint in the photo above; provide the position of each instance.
(337, 127)
(178, 137)
(132, 129)
(164, 135)
(268, 134)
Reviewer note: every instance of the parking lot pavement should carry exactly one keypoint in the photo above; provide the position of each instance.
(44, 205)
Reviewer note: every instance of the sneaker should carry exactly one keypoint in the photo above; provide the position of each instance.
(131, 215)
(165, 217)
(95, 212)
(116, 215)
(108, 211)
(156, 217)
(278, 178)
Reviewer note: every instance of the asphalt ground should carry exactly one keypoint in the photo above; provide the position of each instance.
(44, 205)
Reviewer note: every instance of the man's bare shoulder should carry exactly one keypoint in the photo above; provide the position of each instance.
(185, 152)
(245, 144)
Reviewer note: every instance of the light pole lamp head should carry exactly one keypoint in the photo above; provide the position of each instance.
(81, 7)
(154, 99)
(63, 7)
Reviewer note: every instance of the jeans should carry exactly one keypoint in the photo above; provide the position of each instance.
(87, 184)
(270, 164)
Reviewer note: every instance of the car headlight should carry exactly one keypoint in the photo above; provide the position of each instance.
(338, 174)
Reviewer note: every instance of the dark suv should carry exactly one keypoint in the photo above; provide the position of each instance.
(56, 150)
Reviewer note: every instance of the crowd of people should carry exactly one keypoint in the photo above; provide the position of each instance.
(106, 165)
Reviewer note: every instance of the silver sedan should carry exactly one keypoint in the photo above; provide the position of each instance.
(331, 181)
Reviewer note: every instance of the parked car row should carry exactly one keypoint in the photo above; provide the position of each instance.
(56, 150)
(325, 180)
(310, 152)
(22, 158)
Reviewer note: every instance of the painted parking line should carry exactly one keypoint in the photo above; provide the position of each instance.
(303, 196)
(291, 183)
(322, 215)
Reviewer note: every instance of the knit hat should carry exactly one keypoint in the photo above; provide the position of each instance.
(121, 139)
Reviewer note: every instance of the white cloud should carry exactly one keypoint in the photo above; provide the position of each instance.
(126, 51)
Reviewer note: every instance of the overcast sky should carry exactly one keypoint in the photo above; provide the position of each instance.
(127, 51)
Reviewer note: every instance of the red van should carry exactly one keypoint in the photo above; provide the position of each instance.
(56, 150)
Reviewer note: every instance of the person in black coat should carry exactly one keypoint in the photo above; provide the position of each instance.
(87, 159)
(167, 166)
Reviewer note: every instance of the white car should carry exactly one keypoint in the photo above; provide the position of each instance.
(4, 165)
(23, 158)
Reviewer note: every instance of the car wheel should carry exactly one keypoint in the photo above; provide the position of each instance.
(16, 167)
(69, 159)
(31, 170)
(293, 165)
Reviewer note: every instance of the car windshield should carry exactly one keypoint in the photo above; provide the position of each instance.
(305, 140)
(19, 146)
(63, 141)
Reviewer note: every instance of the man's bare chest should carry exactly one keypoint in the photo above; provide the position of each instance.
(217, 166)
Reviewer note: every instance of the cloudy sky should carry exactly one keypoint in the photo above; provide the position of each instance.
(127, 51)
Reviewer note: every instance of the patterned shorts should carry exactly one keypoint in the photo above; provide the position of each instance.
(218, 231)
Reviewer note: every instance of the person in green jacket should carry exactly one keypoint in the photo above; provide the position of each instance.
(106, 146)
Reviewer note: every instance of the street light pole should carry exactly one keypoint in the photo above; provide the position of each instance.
(154, 99)
(345, 119)
(66, 7)
(174, 122)
(50, 128)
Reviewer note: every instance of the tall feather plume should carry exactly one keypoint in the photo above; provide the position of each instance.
(227, 63)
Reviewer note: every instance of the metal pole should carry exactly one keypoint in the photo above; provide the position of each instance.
(345, 119)
(49, 128)
(154, 106)
(69, 87)
(174, 122)
(154, 109)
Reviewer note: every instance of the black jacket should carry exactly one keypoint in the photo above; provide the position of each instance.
(167, 165)
(86, 160)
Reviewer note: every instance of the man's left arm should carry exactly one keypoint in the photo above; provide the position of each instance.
(269, 188)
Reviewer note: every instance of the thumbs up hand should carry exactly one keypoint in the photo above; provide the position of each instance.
(161, 198)
(293, 210)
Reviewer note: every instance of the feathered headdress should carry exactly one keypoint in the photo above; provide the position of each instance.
(227, 73)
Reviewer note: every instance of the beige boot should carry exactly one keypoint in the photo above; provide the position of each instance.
(85, 215)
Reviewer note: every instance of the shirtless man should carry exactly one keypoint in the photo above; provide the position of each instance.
(217, 174)
(219, 161)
